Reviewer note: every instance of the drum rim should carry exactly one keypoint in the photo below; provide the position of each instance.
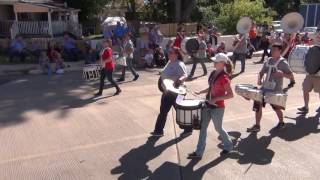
(196, 107)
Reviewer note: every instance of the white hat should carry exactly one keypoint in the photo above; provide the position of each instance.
(220, 57)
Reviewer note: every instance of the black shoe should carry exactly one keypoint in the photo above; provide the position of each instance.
(136, 77)
(118, 92)
(98, 94)
(258, 62)
(186, 133)
(291, 84)
(194, 155)
(156, 134)
(254, 128)
(303, 109)
(121, 79)
(280, 125)
(224, 152)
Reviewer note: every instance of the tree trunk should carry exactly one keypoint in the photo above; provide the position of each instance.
(188, 6)
(178, 6)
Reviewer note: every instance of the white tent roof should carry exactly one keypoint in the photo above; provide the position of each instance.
(112, 21)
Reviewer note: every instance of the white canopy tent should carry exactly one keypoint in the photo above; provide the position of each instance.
(112, 21)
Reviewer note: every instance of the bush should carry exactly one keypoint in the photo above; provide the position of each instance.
(230, 13)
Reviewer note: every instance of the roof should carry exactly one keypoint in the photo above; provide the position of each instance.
(15, 1)
(49, 4)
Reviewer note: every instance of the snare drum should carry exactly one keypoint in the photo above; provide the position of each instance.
(249, 91)
(91, 72)
(278, 99)
(188, 113)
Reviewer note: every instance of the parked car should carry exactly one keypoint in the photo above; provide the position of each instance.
(311, 32)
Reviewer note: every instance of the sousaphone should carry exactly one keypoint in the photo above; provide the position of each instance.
(244, 25)
(292, 23)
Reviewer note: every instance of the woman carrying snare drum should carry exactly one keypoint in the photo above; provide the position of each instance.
(176, 71)
(218, 91)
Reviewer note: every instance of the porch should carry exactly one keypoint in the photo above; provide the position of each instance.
(42, 28)
(39, 19)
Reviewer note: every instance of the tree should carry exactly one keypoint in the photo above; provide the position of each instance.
(230, 13)
(89, 8)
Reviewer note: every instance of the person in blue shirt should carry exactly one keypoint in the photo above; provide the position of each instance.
(69, 48)
(17, 49)
(119, 31)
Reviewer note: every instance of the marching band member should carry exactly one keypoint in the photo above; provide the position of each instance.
(219, 90)
(176, 71)
(311, 82)
(240, 51)
(200, 56)
(108, 67)
(276, 68)
(128, 49)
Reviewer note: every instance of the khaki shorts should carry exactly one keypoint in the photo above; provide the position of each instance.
(311, 83)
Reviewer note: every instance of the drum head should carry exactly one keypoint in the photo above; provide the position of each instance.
(169, 86)
(312, 62)
(189, 104)
(192, 45)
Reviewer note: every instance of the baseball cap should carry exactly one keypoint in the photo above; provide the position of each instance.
(220, 57)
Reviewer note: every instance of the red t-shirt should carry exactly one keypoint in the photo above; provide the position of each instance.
(218, 88)
(178, 41)
(107, 53)
(253, 33)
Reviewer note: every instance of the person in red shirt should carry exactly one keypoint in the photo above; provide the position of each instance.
(253, 35)
(219, 90)
(108, 67)
(179, 38)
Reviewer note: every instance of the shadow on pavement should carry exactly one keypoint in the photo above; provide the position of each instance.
(250, 150)
(304, 126)
(133, 165)
(45, 94)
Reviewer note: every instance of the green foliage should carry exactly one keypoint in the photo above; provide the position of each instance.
(89, 8)
(230, 13)
(162, 12)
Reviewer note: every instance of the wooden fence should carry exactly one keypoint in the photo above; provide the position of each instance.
(171, 29)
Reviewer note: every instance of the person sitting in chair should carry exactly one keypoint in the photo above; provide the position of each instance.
(17, 48)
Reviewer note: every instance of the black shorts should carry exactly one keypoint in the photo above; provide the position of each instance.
(257, 105)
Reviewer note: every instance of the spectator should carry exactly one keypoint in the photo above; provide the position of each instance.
(17, 48)
(221, 48)
(253, 35)
(149, 58)
(213, 36)
(298, 39)
(130, 29)
(91, 54)
(44, 63)
(119, 31)
(107, 32)
(179, 38)
(69, 48)
(155, 37)
(55, 56)
(210, 50)
(36, 48)
(168, 47)
(305, 38)
(264, 44)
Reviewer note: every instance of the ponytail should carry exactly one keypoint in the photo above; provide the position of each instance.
(229, 67)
